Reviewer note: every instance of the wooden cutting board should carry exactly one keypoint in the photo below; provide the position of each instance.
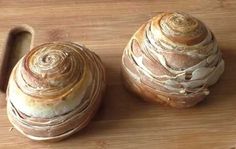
(123, 121)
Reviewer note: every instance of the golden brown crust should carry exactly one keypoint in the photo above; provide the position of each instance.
(172, 59)
(59, 87)
(181, 28)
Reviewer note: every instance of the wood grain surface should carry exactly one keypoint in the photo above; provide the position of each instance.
(125, 121)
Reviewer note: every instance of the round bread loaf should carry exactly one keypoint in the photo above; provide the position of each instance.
(55, 90)
(172, 59)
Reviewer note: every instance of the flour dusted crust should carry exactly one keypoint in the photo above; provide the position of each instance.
(172, 59)
(55, 90)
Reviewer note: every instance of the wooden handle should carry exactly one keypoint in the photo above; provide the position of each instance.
(19, 41)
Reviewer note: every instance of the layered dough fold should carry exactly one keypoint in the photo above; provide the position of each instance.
(55, 90)
(172, 59)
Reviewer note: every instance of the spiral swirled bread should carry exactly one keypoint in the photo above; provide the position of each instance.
(55, 90)
(172, 59)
